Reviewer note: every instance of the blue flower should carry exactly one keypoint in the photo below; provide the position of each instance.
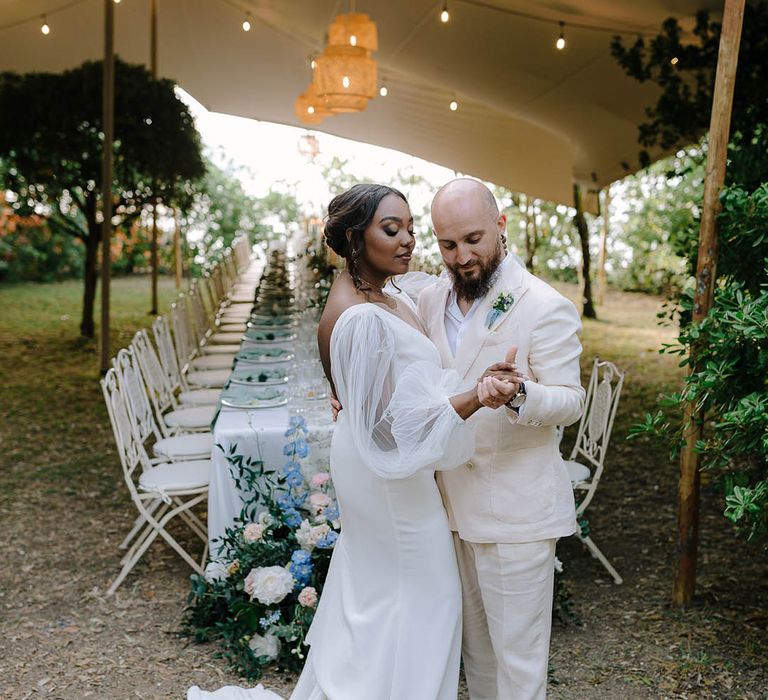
(329, 540)
(291, 466)
(284, 501)
(270, 619)
(294, 479)
(302, 448)
(289, 449)
(331, 512)
(301, 567)
(299, 422)
(299, 498)
(291, 517)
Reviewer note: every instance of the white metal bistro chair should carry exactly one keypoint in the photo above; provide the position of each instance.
(160, 492)
(205, 391)
(186, 348)
(170, 419)
(209, 342)
(587, 459)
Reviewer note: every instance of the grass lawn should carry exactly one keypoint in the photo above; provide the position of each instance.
(63, 510)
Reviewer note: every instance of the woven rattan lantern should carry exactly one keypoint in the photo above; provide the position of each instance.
(310, 107)
(346, 78)
(354, 29)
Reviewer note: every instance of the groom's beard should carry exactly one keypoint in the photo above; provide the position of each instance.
(478, 285)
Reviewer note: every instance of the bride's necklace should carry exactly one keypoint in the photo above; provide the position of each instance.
(385, 298)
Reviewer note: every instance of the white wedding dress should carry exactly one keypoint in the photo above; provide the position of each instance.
(388, 624)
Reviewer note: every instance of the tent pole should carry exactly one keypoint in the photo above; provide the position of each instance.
(719, 127)
(153, 65)
(108, 124)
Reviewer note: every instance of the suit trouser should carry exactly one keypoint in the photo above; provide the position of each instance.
(507, 596)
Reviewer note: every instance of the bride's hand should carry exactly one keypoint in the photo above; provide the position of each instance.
(506, 370)
(494, 393)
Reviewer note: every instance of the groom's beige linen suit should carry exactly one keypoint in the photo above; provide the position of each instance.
(511, 502)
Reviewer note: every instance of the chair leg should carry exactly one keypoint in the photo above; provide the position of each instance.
(137, 524)
(146, 531)
(597, 554)
(194, 524)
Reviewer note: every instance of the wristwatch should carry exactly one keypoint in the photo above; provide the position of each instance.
(518, 399)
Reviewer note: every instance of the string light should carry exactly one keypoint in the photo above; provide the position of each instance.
(445, 15)
(674, 60)
(247, 22)
(560, 43)
(353, 40)
(345, 81)
(312, 63)
(45, 29)
(383, 91)
(454, 105)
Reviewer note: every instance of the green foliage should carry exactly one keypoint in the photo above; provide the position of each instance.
(727, 352)
(280, 525)
(35, 253)
(51, 145)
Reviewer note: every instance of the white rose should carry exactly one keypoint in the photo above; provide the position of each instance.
(266, 519)
(269, 584)
(215, 571)
(268, 645)
(253, 532)
(308, 535)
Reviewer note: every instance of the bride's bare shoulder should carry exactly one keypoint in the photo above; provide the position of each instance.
(342, 295)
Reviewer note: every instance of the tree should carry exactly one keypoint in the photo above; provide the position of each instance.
(730, 346)
(51, 146)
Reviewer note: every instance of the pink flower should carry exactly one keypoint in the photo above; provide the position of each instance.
(308, 597)
(320, 500)
(320, 479)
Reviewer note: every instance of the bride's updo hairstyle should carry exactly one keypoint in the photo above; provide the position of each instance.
(349, 214)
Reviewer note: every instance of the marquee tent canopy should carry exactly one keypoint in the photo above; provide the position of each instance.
(530, 117)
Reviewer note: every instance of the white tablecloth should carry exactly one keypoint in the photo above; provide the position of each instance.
(258, 433)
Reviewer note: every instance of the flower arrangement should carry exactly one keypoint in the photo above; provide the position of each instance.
(501, 304)
(258, 597)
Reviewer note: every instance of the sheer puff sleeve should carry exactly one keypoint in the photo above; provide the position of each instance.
(399, 415)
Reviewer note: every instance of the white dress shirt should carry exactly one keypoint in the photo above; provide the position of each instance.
(456, 321)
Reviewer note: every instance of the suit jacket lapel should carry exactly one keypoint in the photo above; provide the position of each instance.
(474, 337)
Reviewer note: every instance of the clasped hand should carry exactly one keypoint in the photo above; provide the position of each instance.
(500, 382)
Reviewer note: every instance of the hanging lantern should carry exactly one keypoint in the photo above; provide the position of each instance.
(310, 108)
(354, 29)
(346, 78)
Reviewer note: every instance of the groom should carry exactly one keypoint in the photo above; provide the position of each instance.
(510, 503)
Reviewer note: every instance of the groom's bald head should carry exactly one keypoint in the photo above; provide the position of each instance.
(470, 233)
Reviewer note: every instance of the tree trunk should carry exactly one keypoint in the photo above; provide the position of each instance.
(588, 310)
(90, 278)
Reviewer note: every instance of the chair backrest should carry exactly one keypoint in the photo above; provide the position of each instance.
(135, 395)
(594, 434)
(185, 348)
(155, 379)
(129, 446)
(210, 291)
(167, 354)
(198, 319)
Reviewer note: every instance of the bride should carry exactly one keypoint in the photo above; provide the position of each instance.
(388, 624)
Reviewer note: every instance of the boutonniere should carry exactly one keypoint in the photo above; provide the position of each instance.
(501, 304)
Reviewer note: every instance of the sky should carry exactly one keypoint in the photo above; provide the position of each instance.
(270, 152)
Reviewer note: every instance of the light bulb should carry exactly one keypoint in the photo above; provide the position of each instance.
(345, 81)
(313, 63)
(247, 23)
(674, 60)
(444, 15)
(117, 2)
(353, 40)
(310, 109)
(454, 105)
(560, 43)
(45, 29)
(383, 91)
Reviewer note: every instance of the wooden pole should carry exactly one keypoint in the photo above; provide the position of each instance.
(603, 250)
(719, 127)
(153, 67)
(108, 124)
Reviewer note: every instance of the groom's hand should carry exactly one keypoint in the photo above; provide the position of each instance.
(506, 371)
